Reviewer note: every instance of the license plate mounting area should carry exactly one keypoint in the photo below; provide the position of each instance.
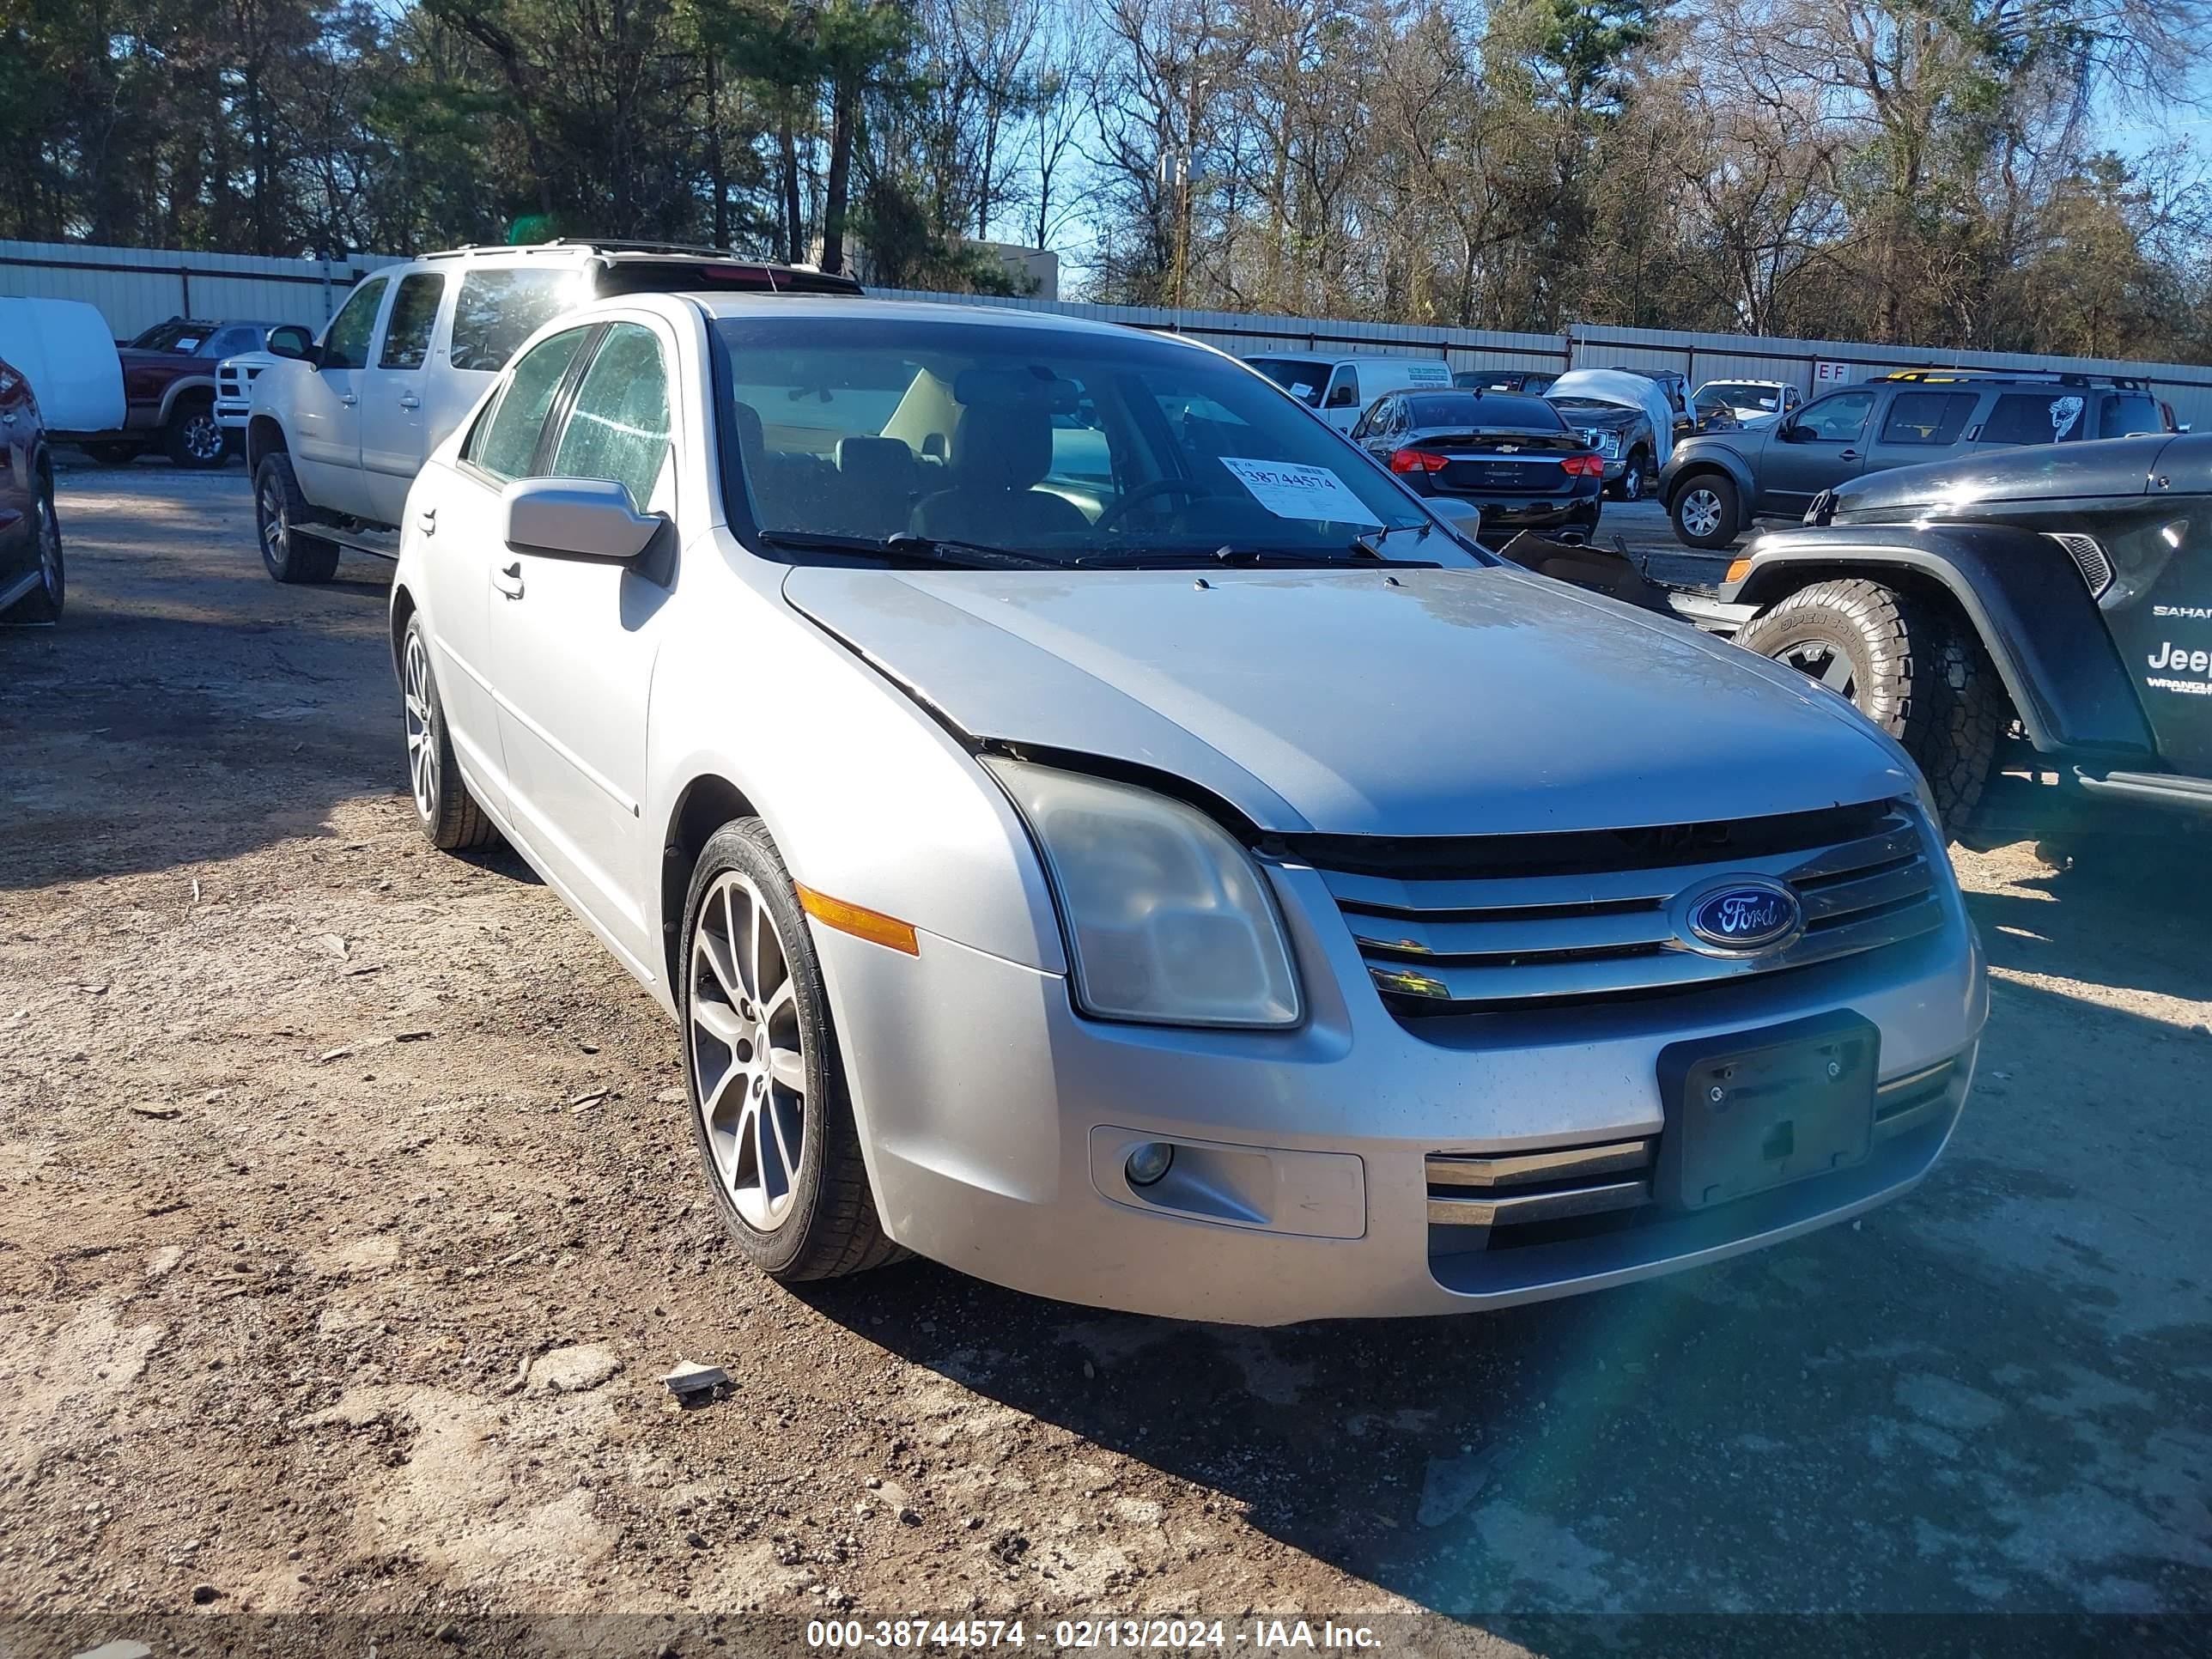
(1751, 1110)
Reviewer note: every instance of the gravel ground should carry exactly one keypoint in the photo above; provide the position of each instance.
(349, 1219)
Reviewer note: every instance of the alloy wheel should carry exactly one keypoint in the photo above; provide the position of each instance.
(202, 436)
(1632, 483)
(1701, 512)
(50, 551)
(275, 533)
(421, 732)
(748, 1052)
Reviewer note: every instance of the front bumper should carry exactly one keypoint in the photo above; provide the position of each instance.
(995, 1121)
(231, 414)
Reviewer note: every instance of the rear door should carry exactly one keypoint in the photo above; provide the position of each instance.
(325, 427)
(572, 643)
(394, 437)
(1922, 425)
(1824, 444)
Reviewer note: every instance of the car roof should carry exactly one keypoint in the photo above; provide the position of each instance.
(733, 306)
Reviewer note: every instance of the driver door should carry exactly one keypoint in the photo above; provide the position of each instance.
(573, 642)
(325, 436)
(1825, 444)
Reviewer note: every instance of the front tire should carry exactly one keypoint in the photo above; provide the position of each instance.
(445, 811)
(1706, 510)
(43, 604)
(1918, 674)
(288, 553)
(193, 439)
(767, 1085)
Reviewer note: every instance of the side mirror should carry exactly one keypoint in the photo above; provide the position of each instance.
(292, 341)
(576, 519)
(1462, 516)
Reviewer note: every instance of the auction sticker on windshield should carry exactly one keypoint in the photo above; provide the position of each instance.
(1291, 491)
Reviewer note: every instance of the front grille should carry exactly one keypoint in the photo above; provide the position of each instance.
(2088, 556)
(1485, 1201)
(1486, 923)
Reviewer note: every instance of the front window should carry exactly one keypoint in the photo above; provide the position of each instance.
(1050, 446)
(345, 344)
(1836, 420)
(1303, 379)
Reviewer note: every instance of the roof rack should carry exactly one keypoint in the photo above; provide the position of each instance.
(2041, 376)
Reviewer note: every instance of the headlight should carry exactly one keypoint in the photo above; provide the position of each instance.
(1168, 920)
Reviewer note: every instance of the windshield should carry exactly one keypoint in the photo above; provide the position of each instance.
(1302, 379)
(1062, 447)
(175, 336)
(1738, 394)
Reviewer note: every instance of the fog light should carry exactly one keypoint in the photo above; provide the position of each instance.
(1149, 1162)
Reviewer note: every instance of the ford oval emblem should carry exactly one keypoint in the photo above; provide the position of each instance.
(1742, 916)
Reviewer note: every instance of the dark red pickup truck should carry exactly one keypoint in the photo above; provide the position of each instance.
(169, 388)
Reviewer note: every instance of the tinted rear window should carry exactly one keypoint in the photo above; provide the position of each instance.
(1491, 410)
(2036, 418)
(2130, 411)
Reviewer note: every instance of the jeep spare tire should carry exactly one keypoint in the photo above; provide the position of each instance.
(1915, 671)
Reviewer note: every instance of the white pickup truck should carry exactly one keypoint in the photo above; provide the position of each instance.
(337, 428)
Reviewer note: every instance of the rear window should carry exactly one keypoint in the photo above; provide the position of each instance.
(498, 310)
(1493, 409)
(2036, 418)
(2130, 411)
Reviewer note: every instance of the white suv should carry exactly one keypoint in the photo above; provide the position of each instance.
(337, 428)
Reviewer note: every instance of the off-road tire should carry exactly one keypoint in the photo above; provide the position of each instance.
(833, 1229)
(292, 554)
(445, 811)
(114, 454)
(191, 437)
(43, 604)
(1919, 674)
(1725, 501)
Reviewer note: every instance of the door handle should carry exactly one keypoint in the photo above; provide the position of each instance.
(408, 400)
(348, 398)
(428, 520)
(1847, 454)
(8, 419)
(508, 580)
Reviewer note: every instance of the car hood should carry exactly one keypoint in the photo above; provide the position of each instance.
(1966, 487)
(1405, 703)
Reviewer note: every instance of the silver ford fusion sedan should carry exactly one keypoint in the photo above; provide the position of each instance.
(1093, 828)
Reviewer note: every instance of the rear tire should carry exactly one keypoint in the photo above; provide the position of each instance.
(445, 811)
(762, 1070)
(1706, 510)
(43, 604)
(193, 438)
(288, 552)
(1918, 674)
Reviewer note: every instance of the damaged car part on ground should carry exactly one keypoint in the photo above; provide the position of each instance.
(1094, 831)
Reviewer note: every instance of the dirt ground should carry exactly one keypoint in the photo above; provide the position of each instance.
(350, 1219)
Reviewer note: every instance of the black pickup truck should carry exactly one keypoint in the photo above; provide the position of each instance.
(2048, 609)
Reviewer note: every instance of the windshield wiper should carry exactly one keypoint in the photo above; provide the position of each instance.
(1370, 547)
(1172, 558)
(913, 549)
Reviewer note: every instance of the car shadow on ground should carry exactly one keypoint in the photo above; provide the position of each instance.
(1979, 1399)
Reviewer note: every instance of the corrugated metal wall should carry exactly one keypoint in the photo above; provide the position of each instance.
(135, 287)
